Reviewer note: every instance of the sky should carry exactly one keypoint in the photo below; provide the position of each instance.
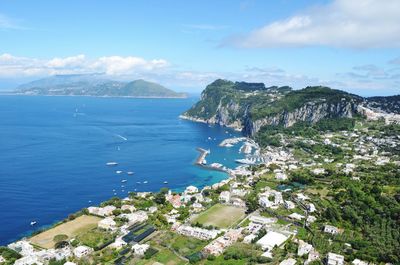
(184, 45)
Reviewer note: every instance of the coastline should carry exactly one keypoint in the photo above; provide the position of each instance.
(140, 97)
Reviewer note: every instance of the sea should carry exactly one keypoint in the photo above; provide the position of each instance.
(54, 150)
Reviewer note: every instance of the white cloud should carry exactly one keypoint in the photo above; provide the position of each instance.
(117, 65)
(342, 23)
(14, 66)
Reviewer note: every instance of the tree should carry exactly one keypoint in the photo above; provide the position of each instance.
(59, 238)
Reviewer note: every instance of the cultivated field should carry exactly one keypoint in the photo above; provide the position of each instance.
(71, 229)
(221, 216)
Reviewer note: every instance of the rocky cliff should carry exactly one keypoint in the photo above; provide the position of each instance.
(227, 103)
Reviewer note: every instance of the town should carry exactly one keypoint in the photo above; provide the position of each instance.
(276, 208)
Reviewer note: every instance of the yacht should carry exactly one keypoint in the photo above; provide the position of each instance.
(118, 171)
(145, 182)
(33, 223)
(129, 173)
(124, 180)
(111, 163)
(165, 182)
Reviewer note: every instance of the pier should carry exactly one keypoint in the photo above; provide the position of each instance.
(202, 157)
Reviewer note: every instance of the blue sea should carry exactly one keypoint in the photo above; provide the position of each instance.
(53, 152)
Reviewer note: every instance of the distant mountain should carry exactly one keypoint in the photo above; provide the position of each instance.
(250, 106)
(95, 85)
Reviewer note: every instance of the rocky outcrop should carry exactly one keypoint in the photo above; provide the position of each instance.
(311, 113)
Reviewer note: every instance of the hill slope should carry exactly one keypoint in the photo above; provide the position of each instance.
(95, 85)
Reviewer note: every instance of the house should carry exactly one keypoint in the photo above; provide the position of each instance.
(238, 202)
(175, 200)
(289, 205)
(136, 217)
(280, 176)
(289, 261)
(107, 224)
(225, 196)
(359, 262)
(334, 259)
(239, 192)
(82, 251)
(152, 209)
(304, 248)
(128, 207)
(191, 190)
(118, 243)
(331, 229)
(218, 246)
(2, 259)
(140, 249)
(262, 220)
(249, 238)
(312, 256)
(102, 211)
(311, 207)
(296, 216)
(197, 232)
(197, 207)
(69, 263)
(271, 239)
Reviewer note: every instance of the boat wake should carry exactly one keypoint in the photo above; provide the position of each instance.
(123, 138)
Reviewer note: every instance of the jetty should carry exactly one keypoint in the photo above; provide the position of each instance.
(201, 160)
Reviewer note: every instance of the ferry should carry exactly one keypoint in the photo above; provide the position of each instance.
(111, 163)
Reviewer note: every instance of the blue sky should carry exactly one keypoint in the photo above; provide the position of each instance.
(350, 45)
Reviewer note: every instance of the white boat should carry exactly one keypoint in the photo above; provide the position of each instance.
(165, 182)
(118, 171)
(124, 180)
(129, 173)
(111, 163)
(145, 182)
(138, 182)
(33, 223)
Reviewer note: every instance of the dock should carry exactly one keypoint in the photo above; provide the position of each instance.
(202, 157)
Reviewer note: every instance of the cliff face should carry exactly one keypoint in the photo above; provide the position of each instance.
(222, 103)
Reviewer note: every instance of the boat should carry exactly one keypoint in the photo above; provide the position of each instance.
(165, 182)
(145, 182)
(138, 182)
(111, 163)
(124, 180)
(118, 171)
(33, 223)
(129, 173)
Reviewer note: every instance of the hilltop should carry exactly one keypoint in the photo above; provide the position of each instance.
(95, 85)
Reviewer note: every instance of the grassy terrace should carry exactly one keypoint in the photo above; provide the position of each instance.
(72, 228)
(221, 216)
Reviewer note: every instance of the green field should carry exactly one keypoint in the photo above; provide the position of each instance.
(221, 216)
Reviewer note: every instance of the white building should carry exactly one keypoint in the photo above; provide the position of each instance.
(128, 207)
(107, 224)
(296, 216)
(225, 196)
(191, 189)
(102, 211)
(136, 217)
(197, 232)
(331, 229)
(281, 176)
(118, 243)
(140, 249)
(82, 251)
(28, 260)
(271, 239)
(359, 262)
(334, 259)
(311, 207)
(304, 248)
(152, 209)
(289, 261)
(289, 205)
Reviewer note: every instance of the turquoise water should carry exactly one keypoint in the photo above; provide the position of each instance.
(53, 152)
